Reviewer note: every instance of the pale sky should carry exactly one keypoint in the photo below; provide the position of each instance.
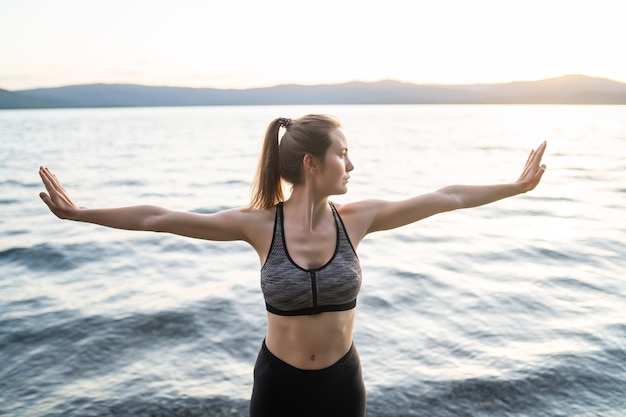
(252, 43)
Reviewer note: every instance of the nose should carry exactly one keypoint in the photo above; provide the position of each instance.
(349, 166)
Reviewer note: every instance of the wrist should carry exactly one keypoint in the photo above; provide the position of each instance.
(74, 213)
(517, 188)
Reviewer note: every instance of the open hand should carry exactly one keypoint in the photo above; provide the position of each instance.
(533, 170)
(57, 199)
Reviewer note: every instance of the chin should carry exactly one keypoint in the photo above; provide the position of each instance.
(340, 189)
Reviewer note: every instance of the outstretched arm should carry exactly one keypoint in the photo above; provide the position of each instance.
(227, 225)
(384, 215)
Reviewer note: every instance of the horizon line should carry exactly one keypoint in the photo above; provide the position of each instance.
(318, 84)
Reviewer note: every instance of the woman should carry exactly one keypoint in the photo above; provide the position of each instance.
(310, 273)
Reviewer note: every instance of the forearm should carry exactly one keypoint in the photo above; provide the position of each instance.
(386, 215)
(466, 196)
(129, 218)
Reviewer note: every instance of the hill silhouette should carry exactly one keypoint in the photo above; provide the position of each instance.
(569, 89)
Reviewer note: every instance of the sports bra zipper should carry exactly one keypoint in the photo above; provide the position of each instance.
(314, 288)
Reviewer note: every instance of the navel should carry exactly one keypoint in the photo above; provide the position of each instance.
(312, 358)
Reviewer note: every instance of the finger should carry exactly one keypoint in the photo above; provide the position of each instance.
(535, 155)
(58, 185)
(48, 182)
(55, 198)
(541, 150)
(54, 182)
(53, 178)
(539, 174)
(45, 177)
(529, 163)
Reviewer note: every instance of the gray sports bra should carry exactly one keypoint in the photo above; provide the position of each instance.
(291, 290)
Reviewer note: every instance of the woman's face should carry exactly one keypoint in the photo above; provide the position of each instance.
(336, 166)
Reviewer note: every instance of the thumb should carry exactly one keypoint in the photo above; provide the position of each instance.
(45, 198)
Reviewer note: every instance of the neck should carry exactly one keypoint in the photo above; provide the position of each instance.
(309, 210)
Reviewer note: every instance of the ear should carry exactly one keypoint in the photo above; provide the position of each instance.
(311, 163)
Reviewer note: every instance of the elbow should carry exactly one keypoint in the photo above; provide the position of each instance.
(451, 199)
(155, 224)
(156, 221)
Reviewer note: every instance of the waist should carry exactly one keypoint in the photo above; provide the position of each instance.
(310, 342)
(351, 356)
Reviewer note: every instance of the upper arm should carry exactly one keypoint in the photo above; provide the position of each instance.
(376, 215)
(234, 224)
(392, 214)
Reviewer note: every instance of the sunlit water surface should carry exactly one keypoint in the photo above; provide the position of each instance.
(513, 309)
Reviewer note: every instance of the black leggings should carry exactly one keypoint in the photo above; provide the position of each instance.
(283, 390)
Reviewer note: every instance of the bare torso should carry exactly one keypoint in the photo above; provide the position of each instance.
(311, 341)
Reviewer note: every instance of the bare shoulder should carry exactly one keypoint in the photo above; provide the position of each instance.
(358, 217)
(359, 210)
(251, 219)
(358, 206)
(257, 226)
(251, 214)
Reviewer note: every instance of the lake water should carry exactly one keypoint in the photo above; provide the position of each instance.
(517, 308)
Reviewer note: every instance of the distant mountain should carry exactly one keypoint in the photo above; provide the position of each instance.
(569, 89)
(14, 100)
